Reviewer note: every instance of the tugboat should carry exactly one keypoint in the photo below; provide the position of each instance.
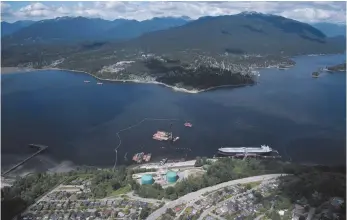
(187, 124)
(142, 157)
(163, 161)
(138, 157)
(147, 157)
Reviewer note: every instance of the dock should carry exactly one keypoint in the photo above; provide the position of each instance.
(40, 147)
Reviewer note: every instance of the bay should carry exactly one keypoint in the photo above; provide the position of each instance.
(302, 117)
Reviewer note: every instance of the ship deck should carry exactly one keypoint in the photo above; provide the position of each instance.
(241, 150)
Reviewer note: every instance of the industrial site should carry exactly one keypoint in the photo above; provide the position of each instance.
(167, 174)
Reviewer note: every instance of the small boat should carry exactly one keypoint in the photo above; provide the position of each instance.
(99, 83)
(86, 81)
(315, 74)
(148, 157)
(176, 138)
(187, 124)
(162, 162)
(138, 157)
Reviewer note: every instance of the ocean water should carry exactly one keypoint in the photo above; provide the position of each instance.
(301, 117)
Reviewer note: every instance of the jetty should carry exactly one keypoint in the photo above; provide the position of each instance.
(40, 149)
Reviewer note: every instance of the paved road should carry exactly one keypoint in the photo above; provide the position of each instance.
(194, 196)
(259, 217)
(132, 196)
(216, 216)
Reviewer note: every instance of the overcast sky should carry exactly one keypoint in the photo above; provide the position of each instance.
(334, 12)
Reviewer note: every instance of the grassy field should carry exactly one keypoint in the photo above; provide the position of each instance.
(121, 191)
(252, 184)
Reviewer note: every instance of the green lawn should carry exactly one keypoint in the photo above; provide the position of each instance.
(252, 184)
(188, 210)
(121, 191)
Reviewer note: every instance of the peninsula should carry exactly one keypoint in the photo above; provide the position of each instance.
(201, 54)
(337, 68)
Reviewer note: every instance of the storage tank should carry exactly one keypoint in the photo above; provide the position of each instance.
(147, 179)
(171, 176)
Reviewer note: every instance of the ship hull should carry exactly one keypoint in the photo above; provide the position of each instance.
(238, 153)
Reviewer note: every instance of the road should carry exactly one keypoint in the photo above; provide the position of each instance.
(259, 217)
(194, 196)
(148, 200)
(131, 196)
(216, 216)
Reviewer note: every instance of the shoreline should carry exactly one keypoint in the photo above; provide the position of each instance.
(11, 70)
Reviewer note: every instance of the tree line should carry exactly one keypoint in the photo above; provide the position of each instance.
(328, 181)
(227, 169)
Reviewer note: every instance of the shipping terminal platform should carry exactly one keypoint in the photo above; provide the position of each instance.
(40, 149)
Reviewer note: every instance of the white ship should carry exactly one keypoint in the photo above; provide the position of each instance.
(263, 149)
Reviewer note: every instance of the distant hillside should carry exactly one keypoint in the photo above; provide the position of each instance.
(10, 28)
(60, 29)
(208, 52)
(77, 29)
(135, 28)
(243, 33)
(331, 30)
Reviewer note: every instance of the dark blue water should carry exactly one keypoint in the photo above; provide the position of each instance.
(301, 117)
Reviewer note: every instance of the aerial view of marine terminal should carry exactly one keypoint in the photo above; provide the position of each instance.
(173, 110)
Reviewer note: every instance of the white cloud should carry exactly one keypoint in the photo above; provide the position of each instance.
(314, 15)
(63, 10)
(5, 10)
(302, 11)
(4, 6)
(34, 10)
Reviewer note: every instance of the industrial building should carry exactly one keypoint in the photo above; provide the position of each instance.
(168, 174)
(147, 179)
(171, 177)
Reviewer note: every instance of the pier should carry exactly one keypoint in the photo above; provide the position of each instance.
(40, 147)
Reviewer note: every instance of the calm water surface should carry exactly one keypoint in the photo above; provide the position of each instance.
(301, 117)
